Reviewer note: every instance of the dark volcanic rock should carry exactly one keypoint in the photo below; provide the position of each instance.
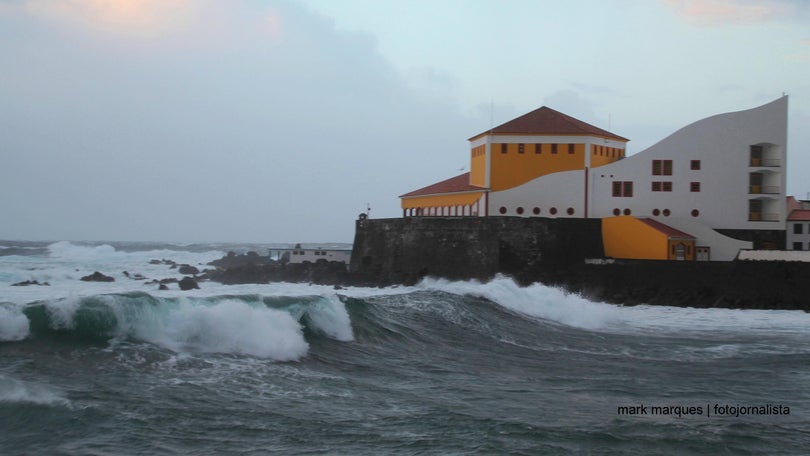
(187, 269)
(232, 260)
(188, 283)
(30, 282)
(97, 277)
(163, 287)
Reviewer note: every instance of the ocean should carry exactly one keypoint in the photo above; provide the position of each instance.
(122, 368)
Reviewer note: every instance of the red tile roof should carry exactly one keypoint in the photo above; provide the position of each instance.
(666, 229)
(799, 215)
(456, 184)
(546, 121)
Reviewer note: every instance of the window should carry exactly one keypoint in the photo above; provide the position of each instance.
(798, 228)
(694, 165)
(662, 186)
(694, 186)
(797, 246)
(553, 148)
(656, 186)
(536, 210)
(502, 210)
(503, 148)
(553, 210)
(538, 148)
(667, 186)
(570, 211)
(623, 188)
(520, 210)
(570, 148)
(662, 167)
(520, 148)
(695, 212)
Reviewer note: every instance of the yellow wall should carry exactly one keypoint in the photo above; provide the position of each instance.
(478, 166)
(462, 199)
(628, 237)
(602, 155)
(512, 168)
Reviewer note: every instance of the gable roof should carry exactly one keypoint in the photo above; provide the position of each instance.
(458, 184)
(666, 229)
(546, 121)
(799, 215)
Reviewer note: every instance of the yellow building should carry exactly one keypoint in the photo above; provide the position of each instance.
(645, 239)
(510, 155)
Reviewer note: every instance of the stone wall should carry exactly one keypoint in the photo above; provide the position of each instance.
(403, 250)
(552, 251)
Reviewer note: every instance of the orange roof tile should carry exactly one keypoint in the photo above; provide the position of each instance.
(666, 229)
(546, 121)
(456, 184)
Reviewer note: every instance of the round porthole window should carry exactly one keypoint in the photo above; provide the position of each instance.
(553, 210)
(627, 212)
(617, 211)
(520, 210)
(695, 212)
(502, 210)
(536, 211)
(656, 212)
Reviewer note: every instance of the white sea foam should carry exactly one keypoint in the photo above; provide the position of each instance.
(229, 326)
(553, 304)
(329, 316)
(535, 300)
(17, 391)
(14, 324)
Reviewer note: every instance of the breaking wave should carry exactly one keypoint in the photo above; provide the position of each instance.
(249, 325)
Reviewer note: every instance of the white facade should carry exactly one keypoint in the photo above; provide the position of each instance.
(736, 190)
(302, 255)
(798, 235)
(725, 172)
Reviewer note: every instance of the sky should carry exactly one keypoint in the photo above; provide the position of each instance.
(282, 120)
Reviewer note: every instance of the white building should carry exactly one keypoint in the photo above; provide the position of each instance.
(720, 180)
(798, 224)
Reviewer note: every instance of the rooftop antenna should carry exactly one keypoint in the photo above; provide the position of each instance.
(368, 208)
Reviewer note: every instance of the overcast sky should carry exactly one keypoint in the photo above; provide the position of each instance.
(279, 121)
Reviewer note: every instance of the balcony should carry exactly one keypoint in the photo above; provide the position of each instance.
(757, 162)
(762, 217)
(763, 189)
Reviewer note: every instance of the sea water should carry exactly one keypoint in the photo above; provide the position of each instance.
(90, 368)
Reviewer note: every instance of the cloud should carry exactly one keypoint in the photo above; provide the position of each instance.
(130, 17)
(721, 12)
(267, 124)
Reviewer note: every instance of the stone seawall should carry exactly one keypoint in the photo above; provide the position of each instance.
(403, 250)
(553, 252)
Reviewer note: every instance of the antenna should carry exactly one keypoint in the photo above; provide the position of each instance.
(491, 114)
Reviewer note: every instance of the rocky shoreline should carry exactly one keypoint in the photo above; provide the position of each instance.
(737, 284)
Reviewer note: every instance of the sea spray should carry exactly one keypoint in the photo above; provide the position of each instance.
(13, 323)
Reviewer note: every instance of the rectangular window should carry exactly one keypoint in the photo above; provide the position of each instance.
(553, 148)
(538, 148)
(503, 148)
(662, 167)
(656, 186)
(797, 246)
(694, 164)
(628, 189)
(667, 186)
(520, 148)
(570, 148)
(694, 186)
(623, 189)
(617, 188)
(798, 228)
